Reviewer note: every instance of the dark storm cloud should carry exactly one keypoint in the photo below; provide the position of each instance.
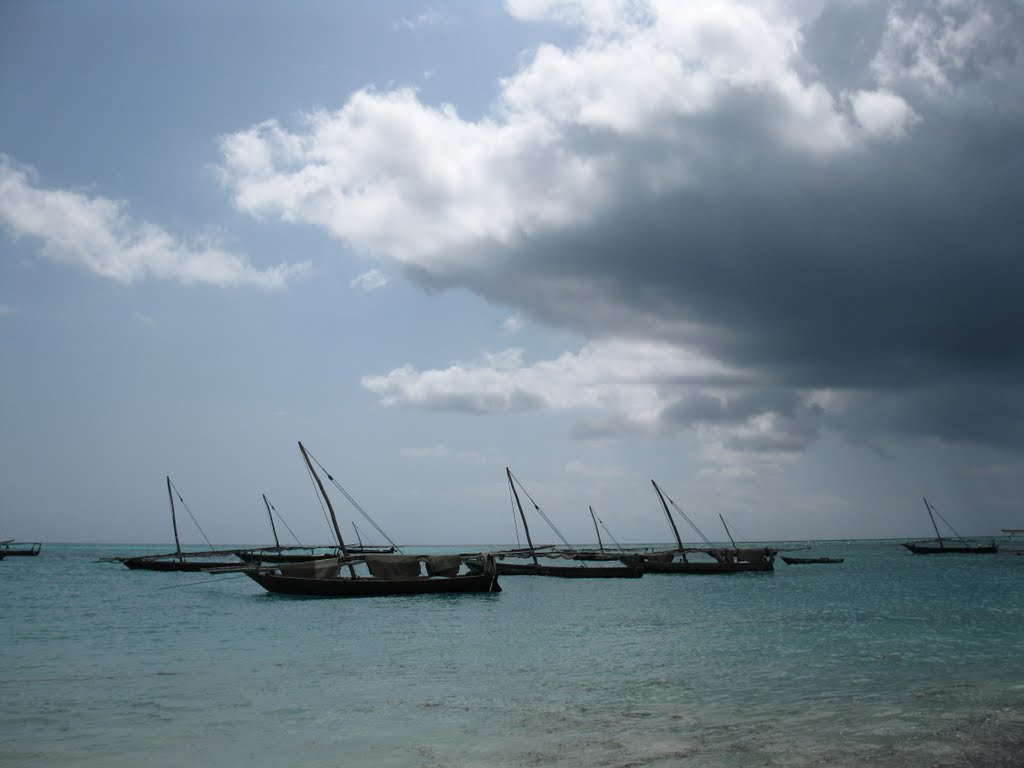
(846, 218)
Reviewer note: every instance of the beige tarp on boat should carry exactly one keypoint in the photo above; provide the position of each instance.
(392, 567)
(311, 569)
(751, 555)
(443, 565)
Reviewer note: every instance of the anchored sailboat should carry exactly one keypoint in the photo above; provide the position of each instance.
(721, 559)
(632, 567)
(178, 560)
(941, 546)
(388, 574)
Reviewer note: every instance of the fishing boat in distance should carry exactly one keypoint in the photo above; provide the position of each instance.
(368, 575)
(178, 560)
(12, 548)
(810, 560)
(1013, 533)
(715, 559)
(629, 567)
(942, 546)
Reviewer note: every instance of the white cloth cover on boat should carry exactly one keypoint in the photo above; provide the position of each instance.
(393, 567)
(443, 565)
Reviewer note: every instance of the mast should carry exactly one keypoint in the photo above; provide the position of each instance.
(936, 527)
(330, 507)
(358, 537)
(668, 514)
(727, 533)
(272, 528)
(174, 520)
(596, 529)
(526, 527)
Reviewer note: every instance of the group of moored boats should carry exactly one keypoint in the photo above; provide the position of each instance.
(342, 570)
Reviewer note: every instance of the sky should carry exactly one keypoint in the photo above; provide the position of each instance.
(767, 254)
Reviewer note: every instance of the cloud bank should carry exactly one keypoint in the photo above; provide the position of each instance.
(818, 198)
(97, 233)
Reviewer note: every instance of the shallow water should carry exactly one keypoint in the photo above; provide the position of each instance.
(888, 659)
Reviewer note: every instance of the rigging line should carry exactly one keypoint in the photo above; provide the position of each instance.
(283, 522)
(515, 517)
(946, 522)
(540, 511)
(197, 583)
(610, 536)
(178, 493)
(736, 530)
(323, 509)
(355, 504)
(688, 520)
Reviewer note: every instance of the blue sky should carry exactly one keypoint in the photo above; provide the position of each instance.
(766, 253)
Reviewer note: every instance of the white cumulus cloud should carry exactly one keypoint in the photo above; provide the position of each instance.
(97, 233)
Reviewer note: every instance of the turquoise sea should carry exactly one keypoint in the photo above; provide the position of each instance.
(888, 659)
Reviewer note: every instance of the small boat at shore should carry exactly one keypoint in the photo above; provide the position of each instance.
(789, 560)
(178, 560)
(942, 546)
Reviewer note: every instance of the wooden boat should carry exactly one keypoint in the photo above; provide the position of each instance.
(930, 548)
(298, 553)
(15, 549)
(941, 546)
(389, 574)
(808, 560)
(177, 560)
(631, 568)
(718, 559)
(304, 554)
(1013, 533)
(605, 554)
(328, 582)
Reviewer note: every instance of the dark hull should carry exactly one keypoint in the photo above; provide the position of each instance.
(371, 587)
(142, 564)
(935, 549)
(21, 552)
(809, 560)
(695, 567)
(565, 571)
(256, 557)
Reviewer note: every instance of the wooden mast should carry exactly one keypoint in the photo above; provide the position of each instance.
(934, 525)
(596, 529)
(671, 522)
(526, 527)
(727, 532)
(174, 522)
(330, 507)
(273, 528)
